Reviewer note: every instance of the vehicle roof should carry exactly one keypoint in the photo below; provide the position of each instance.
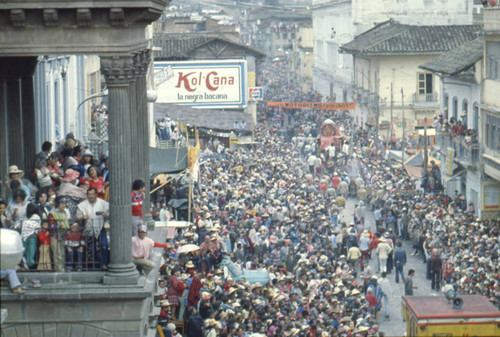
(429, 307)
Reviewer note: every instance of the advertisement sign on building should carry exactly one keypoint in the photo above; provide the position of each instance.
(256, 93)
(204, 84)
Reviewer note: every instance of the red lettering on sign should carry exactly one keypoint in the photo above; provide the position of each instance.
(184, 79)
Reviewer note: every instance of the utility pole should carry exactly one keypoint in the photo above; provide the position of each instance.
(389, 131)
(404, 137)
(426, 159)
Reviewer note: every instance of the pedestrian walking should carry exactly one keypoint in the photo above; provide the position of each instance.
(399, 261)
(383, 251)
(409, 283)
(436, 269)
(386, 287)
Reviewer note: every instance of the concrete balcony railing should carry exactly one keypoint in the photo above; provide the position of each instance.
(491, 17)
(425, 99)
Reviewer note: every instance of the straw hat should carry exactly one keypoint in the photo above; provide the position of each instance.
(190, 264)
(164, 303)
(13, 169)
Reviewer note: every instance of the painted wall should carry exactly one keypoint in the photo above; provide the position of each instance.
(351, 18)
(404, 75)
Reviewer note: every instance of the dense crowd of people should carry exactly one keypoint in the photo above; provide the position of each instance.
(274, 212)
(60, 209)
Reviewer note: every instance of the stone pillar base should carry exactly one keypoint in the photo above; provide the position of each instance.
(121, 274)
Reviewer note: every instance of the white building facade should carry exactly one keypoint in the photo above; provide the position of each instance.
(338, 22)
(61, 86)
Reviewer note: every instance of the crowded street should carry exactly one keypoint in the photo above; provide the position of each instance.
(263, 168)
(281, 209)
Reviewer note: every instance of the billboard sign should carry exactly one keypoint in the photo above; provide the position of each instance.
(202, 84)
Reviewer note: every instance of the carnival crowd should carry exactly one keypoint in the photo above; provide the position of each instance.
(273, 210)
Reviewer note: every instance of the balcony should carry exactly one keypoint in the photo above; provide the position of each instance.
(465, 153)
(491, 17)
(373, 99)
(366, 97)
(425, 100)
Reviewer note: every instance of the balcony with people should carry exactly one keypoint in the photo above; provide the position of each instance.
(452, 134)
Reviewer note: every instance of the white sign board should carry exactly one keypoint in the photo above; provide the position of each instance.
(204, 84)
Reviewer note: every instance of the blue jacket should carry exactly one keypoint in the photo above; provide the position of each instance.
(399, 256)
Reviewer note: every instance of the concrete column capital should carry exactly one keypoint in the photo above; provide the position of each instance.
(118, 70)
(141, 61)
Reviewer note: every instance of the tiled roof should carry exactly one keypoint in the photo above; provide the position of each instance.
(216, 119)
(179, 46)
(392, 38)
(457, 60)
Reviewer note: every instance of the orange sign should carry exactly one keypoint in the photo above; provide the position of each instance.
(313, 105)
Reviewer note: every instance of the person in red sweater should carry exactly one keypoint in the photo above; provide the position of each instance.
(74, 243)
(96, 181)
(137, 195)
(44, 261)
(175, 291)
(372, 302)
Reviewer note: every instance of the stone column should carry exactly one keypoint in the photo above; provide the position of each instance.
(143, 61)
(118, 72)
(134, 127)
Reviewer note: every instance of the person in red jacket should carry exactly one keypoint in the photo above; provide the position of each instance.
(372, 302)
(137, 195)
(44, 260)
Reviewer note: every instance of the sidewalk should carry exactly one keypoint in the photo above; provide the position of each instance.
(394, 326)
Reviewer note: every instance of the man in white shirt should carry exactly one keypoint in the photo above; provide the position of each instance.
(164, 213)
(311, 161)
(94, 212)
(386, 288)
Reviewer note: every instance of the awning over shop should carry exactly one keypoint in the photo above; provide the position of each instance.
(415, 163)
(458, 173)
(215, 119)
(170, 160)
(179, 203)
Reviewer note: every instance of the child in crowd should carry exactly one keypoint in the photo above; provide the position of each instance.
(74, 243)
(44, 260)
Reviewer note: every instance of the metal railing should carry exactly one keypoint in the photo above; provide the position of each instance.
(464, 150)
(89, 253)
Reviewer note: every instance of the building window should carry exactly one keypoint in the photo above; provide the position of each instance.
(475, 122)
(493, 60)
(424, 83)
(293, 36)
(454, 109)
(492, 138)
(465, 111)
(446, 103)
(285, 36)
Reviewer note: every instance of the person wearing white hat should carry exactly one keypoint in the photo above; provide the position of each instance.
(383, 251)
(141, 247)
(15, 174)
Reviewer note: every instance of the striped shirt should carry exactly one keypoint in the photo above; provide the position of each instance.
(137, 199)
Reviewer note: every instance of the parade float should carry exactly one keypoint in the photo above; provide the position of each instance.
(331, 134)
